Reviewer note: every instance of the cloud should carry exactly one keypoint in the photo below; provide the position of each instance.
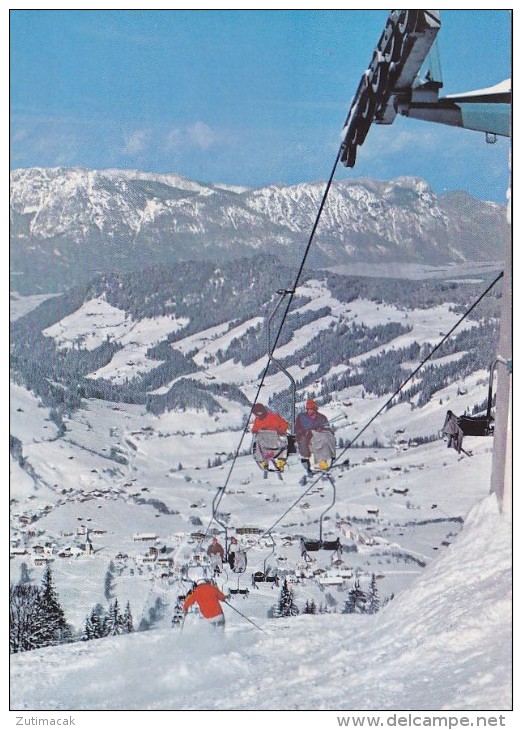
(135, 142)
(201, 135)
(198, 135)
(43, 143)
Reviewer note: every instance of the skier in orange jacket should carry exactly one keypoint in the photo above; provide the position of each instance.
(268, 421)
(271, 443)
(208, 598)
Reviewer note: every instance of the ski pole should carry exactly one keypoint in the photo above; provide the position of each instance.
(245, 617)
(183, 621)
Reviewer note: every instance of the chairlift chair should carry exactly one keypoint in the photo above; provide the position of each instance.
(261, 576)
(238, 590)
(482, 425)
(320, 544)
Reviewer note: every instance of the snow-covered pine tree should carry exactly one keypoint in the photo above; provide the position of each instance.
(286, 605)
(57, 629)
(373, 603)
(113, 624)
(88, 629)
(356, 601)
(27, 628)
(177, 616)
(94, 624)
(128, 624)
(310, 607)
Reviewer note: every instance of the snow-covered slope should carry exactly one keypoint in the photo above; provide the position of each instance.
(142, 484)
(443, 644)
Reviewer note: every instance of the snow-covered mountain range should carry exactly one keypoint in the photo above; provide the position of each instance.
(69, 223)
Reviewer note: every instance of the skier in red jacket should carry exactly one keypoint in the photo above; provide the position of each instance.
(208, 598)
(271, 443)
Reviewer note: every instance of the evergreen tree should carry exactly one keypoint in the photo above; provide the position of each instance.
(373, 601)
(177, 616)
(356, 601)
(94, 624)
(310, 607)
(27, 619)
(24, 574)
(57, 629)
(286, 605)
(113, 624)
(128, 624)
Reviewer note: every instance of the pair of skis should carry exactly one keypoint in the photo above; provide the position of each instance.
(266, 470)
(324, 473)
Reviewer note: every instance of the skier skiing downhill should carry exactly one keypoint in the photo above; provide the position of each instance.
(208, 597)
(271, 443)
(314, 437)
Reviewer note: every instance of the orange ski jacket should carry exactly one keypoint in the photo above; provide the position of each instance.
(270, 422)
(207, 597)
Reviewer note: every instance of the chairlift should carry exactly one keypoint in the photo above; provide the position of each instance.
(261, 576)
(238, 591)
(320, 544)
(482, 425)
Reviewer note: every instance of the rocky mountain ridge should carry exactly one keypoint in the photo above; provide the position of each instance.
(69, 224)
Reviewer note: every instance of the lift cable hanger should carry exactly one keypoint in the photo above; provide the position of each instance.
(391, 85)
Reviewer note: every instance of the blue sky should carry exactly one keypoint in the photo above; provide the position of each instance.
(240, 97)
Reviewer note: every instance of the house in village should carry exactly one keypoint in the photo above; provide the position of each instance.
(17, 551)
(249, 530)
(145, 537)
(40, 560)
(356, 535)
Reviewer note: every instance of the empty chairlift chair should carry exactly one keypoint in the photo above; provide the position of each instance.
(262, 576)
(308, 545)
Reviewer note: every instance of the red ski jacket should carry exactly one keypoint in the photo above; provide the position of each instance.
(270, 422)
(207, 597)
